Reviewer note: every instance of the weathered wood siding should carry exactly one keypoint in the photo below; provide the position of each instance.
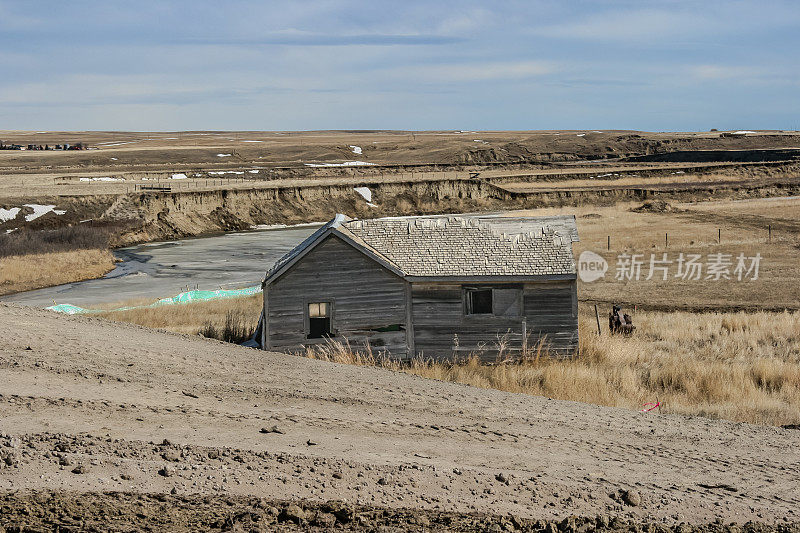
(551, 311)
(548, 308)
(365, 296)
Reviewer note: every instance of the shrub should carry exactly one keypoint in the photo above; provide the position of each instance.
(79, 237)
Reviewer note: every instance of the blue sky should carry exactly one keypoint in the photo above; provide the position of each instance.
(331, 64)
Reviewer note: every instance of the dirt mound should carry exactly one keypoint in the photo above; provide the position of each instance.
(59, 511)
(654, 206)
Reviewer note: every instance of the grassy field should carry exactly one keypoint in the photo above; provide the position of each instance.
(694, 228)
(737, 366)
(32, 271)
(34, 259)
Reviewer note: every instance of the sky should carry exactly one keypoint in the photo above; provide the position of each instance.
(412, 65)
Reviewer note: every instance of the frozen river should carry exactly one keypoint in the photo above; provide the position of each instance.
(158, 270)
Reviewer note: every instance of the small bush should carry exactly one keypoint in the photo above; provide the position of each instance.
(79, 237)
(236, 329)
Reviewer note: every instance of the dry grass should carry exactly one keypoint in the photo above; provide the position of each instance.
(33, 271)
(232, 319)
(693, 229)
(737, 366)
(90, 236)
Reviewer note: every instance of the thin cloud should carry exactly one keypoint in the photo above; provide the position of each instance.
(319, 39)
(724, 72)
(475, 71)
(620, 26)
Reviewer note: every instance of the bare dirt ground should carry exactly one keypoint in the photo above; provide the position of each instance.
(90, 406)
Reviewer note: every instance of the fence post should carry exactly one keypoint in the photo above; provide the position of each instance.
(770, 232)
(524, 338)
(597, 316)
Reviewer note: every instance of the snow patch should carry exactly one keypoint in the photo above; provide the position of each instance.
(252, 141)
(282, 226)
(40, 210)
(8, 214)
(179, 176)
(742, 132)
(253, 171)
(356, 149)
(365, 193)
(113, 158)
(224, 155)
(580, 135)
(116, 144)
(104, 178)
(345, 164)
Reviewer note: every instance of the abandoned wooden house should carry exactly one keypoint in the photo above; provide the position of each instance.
(435, 286)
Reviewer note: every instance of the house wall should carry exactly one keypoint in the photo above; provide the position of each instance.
(365, 296)
(550, 310)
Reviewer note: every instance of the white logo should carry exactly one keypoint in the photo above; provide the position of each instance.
(591, 266)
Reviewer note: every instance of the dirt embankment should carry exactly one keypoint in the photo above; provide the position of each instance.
(66, 512)
(165, 215)
(171, 215)
(174, 215)
(93, 407)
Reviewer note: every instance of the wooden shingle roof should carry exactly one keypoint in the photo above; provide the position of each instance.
(456, 246)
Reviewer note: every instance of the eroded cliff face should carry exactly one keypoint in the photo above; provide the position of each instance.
(143, 217)
(176, 215)
(173, 215)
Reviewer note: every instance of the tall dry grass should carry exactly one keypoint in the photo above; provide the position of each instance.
(738, 366)
(231, 320)
(33, 271)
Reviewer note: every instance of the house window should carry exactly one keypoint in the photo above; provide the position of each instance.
(479, 301)
(319, 320)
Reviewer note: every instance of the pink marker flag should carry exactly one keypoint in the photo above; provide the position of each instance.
(650, 408)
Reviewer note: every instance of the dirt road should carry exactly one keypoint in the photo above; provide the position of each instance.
(93, 406)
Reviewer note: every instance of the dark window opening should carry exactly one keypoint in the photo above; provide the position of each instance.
(319, 320)
(479, 301)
